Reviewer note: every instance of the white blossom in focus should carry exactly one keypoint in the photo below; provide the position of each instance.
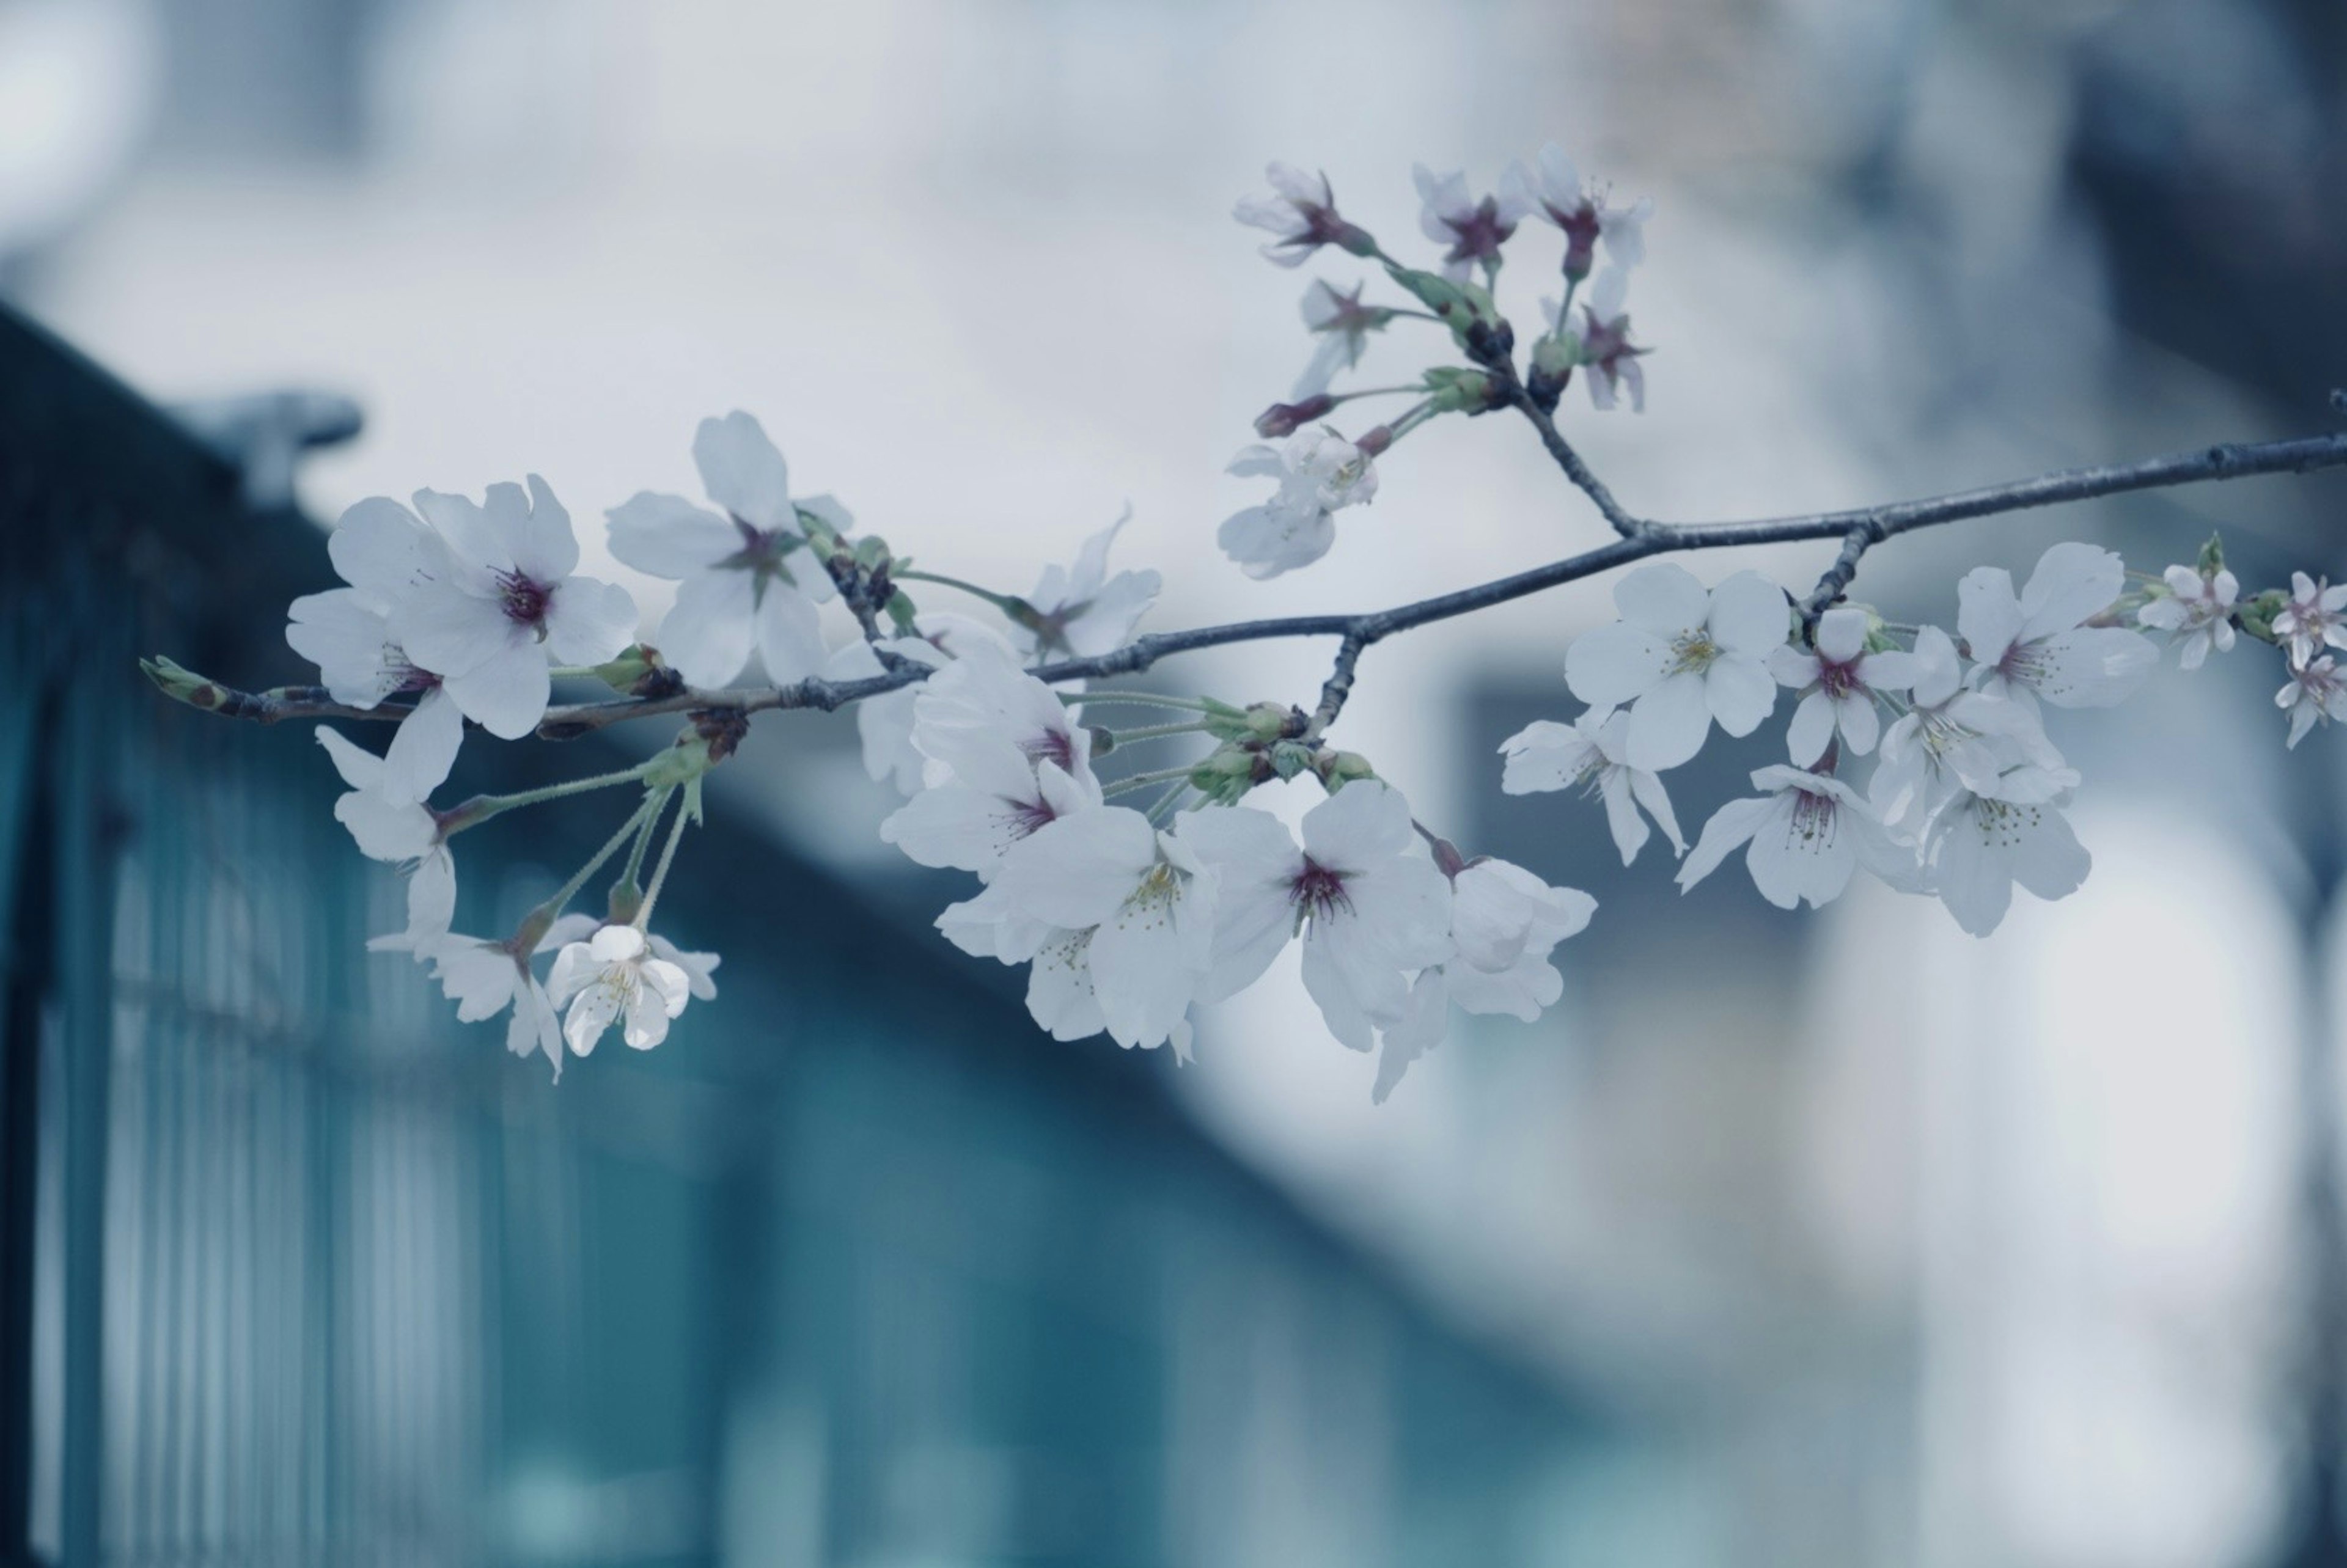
(1144, 905)
(747, 578)
(1977, 848)
(484, 978)
(1373, 912)
(1343, 325)
(615, 977)
(1583, 212)
(884, 724)
(382, 552)
(1504, 923)
(1681, 656)
(1085, 612)
(1474, 229)
(2197, 613)
(2037, 645)
(1589, 755)
(1838, 680)
(404, 833)
(2315, 694)
(1952, 739)
(1808, 833)
(1301, 216)
(1320, 473)
(2312, 618)
(499, 596)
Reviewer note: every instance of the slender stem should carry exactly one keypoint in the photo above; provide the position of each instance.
(1006, 603)
(1169, 804)
(1157, 731)
(659, 873)
(1143, 781)
(1137, 699)
(653, 807)
(480, 808)
(553, 906)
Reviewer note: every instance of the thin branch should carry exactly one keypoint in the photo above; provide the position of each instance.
(1619, 517)
(2230, 461)
(1836, 579)
(1337, 688)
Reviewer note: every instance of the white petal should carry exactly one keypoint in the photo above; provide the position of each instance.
(1860, 725)
(1663, 598)
(1667, 725)
(450, 631)
(1800, 854)
(1841, 633)
(1060, 988)
(1740, 693)
(1425, 1018)
(1650, 794)
(1988, 615)
(423, 748)
(1078, 871)
(1731, 825)
(707, 634)
(1361, 825)
(2094, 667)
(668, 536)
(379, 548)
(790, 635)
(1748, 614)
(589, 621)
(742, 472)
(2072, 582)
(1811, 729)
(505, 695)
(360, 768)
(1615, 665)
(1630, 831)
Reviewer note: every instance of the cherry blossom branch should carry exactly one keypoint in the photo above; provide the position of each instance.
(1859, 527)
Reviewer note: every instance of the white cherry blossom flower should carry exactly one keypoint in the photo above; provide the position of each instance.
(1952, 739)
(1372, 911)
(1082, 612)
(2036, 645)
(1681, 656)
(1978, 847)
(1602, 341)
(1142, 905)
(1504, 923)
(884, 724)
(484, 978)
(1838, 680)
(1589, 755)
(2314, 618)
(1301, 215)
(404, 833)
(2315, 694)
(2197, 613)
(1320, 473)
(1474, 229)
(615, 977)
(699, 968)
(499, 596)
(1808, 832)
(1005, 756)
(1343, 325)
(1583, 212)
(746, 578)
(382, 550)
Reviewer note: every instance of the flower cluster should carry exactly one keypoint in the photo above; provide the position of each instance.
(1134, 895)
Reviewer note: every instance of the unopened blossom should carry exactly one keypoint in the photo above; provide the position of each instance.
(1602, 344)
(484, 978)
(1342, 323)
(746, 579)
(1301, 215)
(884, 724)
(1808, 832)
(1474, 229)
(404, 833)
(1979, 848)
(1681, 656)
(382, 552)
(1320, 473)
(2197, 612)
(2036, 645)
(1588, 754)
(1583, 212)
(2315, 616)
(500, 597)
(1504, 923)
(1145, 904)
(1952, 739)
(614, 977)
(1373, 912)
(2315, 694)
(1837, 679)
(1081, 611)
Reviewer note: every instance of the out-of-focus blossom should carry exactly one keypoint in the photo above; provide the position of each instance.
(2197, 612)
(1474, 229)
(1301, 215)
(1586, 218)
(2312, 618)
(2315, 694)
(1320, 473)
(1084, 613)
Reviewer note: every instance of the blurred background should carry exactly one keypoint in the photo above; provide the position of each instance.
(1878, 1245)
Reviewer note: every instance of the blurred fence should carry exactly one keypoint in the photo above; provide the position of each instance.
(857, 1268)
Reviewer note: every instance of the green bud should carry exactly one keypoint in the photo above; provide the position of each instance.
(1556, 357)
(184, 685)
(1338, 769)
(682, 764)
(900, 614)
(1456, 390)
(1462, 306)
(2212, 556)
(1226, 773)
(872, 552)
(630, 669)
(1289, 758)
(2257, 615)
